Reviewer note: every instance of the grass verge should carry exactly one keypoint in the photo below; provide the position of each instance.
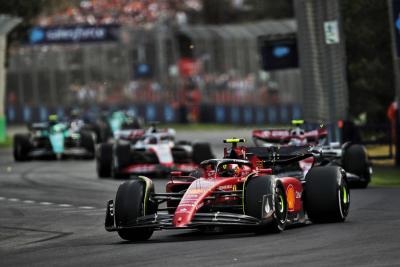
(7, 143)
(386, 176)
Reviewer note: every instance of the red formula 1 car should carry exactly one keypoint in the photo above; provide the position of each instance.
(249, 187)
(153, 152)
(353, 158)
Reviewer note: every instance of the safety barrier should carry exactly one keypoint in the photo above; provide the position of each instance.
(166, 113)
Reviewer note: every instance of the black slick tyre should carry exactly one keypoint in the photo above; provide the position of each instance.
(355, 160)
(88, 141)
(121, 159)
(129, 205)
(256, 189)
(104, 160)
(326, 195)
(21, 147)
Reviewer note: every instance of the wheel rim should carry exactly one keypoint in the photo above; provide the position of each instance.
(344, 199)
(280, 206)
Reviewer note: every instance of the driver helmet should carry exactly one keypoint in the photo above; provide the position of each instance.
(53, 119)
(297, 131)
(229, 170)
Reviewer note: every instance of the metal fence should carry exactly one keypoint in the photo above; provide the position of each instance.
(322, 60)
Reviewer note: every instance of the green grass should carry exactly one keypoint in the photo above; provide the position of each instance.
(386, 176)
(7, 143)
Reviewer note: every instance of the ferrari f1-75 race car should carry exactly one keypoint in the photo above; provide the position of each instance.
(152, 152)
(54, 139)
(353, 158)
(250, 187)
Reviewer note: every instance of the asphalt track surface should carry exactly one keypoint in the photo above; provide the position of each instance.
(52, 214)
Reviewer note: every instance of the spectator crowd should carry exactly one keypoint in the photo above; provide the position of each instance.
(122, 12)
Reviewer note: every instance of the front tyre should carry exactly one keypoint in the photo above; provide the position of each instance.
(327, 195)
(256, 189)
(104, 160)
(21, 147)
(131, 203)
(121, 159)
(88, 141)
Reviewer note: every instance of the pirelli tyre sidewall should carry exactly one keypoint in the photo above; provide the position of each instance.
(256, 188)
(21, 147)
(326, 194)
(104, 160)
(121, 159)
(355, 161)
(132, 202)
(88, 141)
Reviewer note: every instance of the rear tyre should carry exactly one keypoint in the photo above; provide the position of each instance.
(326, 195)
(21, 147)
(129, 205)
(256, 189)
(121, 159)
(104, 160)
(88, 140)
(201, 152)
(181, 156)
(355, 160)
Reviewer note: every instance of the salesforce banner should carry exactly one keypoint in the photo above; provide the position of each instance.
(73, 34)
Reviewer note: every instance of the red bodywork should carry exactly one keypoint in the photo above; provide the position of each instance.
(200, 192)
(285, 136)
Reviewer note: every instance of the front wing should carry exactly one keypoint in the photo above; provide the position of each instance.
(159, 221)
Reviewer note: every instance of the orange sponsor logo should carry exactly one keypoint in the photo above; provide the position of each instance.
(290, 197)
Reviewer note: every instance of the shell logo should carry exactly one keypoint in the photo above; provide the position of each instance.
(290, 197)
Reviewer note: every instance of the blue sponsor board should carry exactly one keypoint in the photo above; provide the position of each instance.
(284, 114)
(43, 113)
(73, 34)
(220, 114)
(248, 115)
(11, 114)
(296, 112)
(27, 114)
(260, 116)
(151, 113)
(169, 114)
(272, 115)
(235, 115)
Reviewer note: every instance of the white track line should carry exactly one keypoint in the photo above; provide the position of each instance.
(45, 203)
(65, 205)
(86, 207)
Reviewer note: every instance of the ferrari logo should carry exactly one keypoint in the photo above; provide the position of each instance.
(260, 164)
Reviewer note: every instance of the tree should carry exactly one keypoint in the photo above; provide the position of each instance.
(369, 58)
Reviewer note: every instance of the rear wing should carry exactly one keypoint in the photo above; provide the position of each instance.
(270, 156)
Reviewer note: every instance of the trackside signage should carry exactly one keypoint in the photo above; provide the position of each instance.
(73, 34)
